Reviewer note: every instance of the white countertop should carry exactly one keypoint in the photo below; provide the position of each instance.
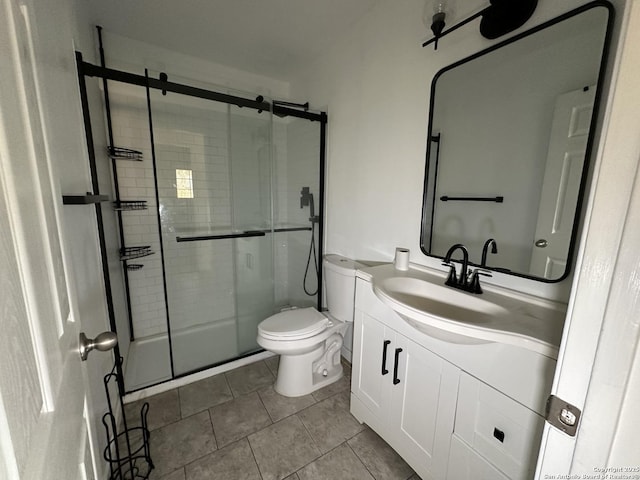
(529, 322)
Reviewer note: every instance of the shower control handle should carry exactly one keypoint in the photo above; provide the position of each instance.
(306, 200)
(304, 197)
(385, 344)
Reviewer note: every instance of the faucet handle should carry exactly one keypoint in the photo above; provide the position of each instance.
(481, 271)
(452, 279)
(474, 279)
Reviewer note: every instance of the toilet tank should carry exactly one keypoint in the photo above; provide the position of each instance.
(340, 285)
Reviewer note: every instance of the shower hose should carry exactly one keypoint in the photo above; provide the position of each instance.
(312, 252)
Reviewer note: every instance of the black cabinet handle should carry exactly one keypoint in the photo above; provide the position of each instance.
(396, 380)
(499, 435)
(385, 344)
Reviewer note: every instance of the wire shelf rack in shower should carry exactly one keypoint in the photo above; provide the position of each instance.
(127, 205)
(129, 253)
(122, 153)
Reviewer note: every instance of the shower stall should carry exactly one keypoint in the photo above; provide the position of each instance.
(216, 220)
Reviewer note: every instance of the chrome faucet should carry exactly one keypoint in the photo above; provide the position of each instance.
(469, 282)
(485, 249)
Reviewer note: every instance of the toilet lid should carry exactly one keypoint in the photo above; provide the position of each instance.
(294, 324)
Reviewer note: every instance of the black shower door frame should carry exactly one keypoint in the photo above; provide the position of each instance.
(86, 69)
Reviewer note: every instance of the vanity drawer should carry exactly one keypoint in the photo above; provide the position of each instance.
(500, 429)
(465, 464)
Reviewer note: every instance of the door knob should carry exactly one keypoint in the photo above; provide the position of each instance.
(541, 243)
(103, 342)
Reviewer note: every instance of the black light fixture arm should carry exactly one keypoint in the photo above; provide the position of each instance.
(455, 27)
(498, 19)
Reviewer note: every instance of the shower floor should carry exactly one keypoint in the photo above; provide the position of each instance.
(194, 348)
(148, 362)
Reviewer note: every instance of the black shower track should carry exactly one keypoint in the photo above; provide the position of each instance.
(90, 70)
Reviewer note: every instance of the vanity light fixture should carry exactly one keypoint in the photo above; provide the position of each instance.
(498, 19)
(437, 20)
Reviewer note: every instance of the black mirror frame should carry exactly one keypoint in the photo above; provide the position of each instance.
(427, 216)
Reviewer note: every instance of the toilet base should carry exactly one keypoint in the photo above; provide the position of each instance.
(297, 378)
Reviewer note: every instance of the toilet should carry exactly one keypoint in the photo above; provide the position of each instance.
(309, 342)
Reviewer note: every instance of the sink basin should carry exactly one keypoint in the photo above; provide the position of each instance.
(439, 300)
(455, 316)
(438, 310)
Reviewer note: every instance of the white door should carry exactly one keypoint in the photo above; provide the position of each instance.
(563, 171)
(44, 409)
(599, 355)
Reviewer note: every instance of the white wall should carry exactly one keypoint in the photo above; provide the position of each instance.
(133, 56)
(375, 86)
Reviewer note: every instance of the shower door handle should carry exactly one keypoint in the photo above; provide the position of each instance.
(385, 344)
(227, 236)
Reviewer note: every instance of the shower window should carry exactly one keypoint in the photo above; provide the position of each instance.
(184, 183)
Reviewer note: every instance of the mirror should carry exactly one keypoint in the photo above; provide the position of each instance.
(510, 134)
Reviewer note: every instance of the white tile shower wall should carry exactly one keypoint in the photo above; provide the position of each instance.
(251, 170)
(185, 138)
(131, 130)
(200, 275)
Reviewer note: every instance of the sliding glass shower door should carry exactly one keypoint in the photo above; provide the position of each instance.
(213, 174)
(251, 177)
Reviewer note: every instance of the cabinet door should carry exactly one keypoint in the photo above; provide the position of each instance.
(500, 429)
(465, 464)
(372, 363)
(423, 405)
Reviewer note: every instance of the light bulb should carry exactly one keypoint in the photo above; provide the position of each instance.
(437, 20)
(439, 7)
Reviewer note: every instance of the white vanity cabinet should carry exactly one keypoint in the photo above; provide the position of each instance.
(452, 411)
(404, 392)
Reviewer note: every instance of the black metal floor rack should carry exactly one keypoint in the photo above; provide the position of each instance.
(127, 451)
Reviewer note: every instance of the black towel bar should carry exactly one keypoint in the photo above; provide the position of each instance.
(498, 199)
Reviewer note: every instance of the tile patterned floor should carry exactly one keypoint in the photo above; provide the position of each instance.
(235, 426)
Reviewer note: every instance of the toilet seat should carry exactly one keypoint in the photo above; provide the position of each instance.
(295, 324)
